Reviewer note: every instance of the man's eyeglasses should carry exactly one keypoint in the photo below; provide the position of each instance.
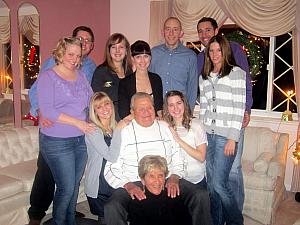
(86, 41)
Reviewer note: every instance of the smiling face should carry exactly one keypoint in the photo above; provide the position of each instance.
(118, 52)
(176, 108)
(104, 110)
(172, 32)
(215, 54)
(141, 62)
(205, 32)
(143, 111)
(71, 58)
(86, 41)
(154, 181)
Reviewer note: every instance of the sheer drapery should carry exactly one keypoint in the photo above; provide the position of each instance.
(190, 11)
(4, 29)
(159, 11)
(262, 18)
(29, 27)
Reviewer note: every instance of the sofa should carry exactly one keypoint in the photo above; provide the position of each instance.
(7, 109)
(263, 166)
(263, 163)
(18, 157)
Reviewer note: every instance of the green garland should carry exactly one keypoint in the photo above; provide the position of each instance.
(255, 56)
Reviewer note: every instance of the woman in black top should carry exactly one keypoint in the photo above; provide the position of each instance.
(157, 208)
(140, 81)
(117, 64)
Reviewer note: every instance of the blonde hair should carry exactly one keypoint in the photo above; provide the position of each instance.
(61, 47)
(149, 162)
(97, 99)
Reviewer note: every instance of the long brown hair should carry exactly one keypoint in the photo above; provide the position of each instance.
(187, 114)
(117, 38)
(228, 61)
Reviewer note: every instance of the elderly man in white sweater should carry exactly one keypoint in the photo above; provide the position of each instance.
(147, 136)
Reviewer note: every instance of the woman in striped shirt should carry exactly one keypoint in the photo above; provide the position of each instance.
(222, 105)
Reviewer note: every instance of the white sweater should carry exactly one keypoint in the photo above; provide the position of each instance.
(136, 142)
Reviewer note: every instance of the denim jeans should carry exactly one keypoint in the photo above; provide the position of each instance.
(66, 158)
(236, 180)
(223, 204)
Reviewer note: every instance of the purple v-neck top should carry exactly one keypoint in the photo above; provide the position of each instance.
(57, 96)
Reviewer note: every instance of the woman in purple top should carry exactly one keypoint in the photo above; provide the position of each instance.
(63, 96)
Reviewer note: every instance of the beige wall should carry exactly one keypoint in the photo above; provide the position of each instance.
(130, 17)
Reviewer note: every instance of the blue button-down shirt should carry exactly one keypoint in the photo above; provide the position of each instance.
(88, 67)
(177, 69)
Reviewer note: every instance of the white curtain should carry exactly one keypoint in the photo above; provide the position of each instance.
(159, 12)
(262, 18)
(4, 29)
(190, 11)
(30, 28)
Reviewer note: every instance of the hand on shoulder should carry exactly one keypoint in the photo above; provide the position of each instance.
(124, 122)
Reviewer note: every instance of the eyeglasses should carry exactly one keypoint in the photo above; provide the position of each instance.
(86, 41)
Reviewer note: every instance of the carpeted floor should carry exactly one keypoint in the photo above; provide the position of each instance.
(287, 213)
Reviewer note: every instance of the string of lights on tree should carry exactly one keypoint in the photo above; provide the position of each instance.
(31, 62)
(250, 45)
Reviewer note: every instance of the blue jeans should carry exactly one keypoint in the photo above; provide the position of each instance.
(66, 158)
(236, 180)
(223, 204)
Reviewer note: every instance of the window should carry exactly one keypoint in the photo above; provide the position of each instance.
(271, 67)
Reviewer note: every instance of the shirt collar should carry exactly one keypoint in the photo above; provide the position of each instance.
(179, 46)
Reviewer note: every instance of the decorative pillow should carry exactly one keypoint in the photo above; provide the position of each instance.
(261, 164)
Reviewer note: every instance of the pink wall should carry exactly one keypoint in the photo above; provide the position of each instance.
(58, 18)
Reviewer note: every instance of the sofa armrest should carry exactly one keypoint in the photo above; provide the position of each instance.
(261, 164)
(277, 166)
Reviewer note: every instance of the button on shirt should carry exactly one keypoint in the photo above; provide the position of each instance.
(177, 69)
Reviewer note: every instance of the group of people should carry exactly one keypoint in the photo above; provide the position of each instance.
(128, 125)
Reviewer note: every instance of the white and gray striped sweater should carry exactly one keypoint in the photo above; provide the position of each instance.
(222, 103)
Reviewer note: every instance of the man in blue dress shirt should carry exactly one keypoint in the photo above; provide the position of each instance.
(175, 63)
(43, 187)
(207, 28)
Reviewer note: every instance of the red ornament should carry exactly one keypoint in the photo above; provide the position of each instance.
(31, 54)
(32, 118)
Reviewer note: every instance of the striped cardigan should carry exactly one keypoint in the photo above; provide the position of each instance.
(222, 104)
